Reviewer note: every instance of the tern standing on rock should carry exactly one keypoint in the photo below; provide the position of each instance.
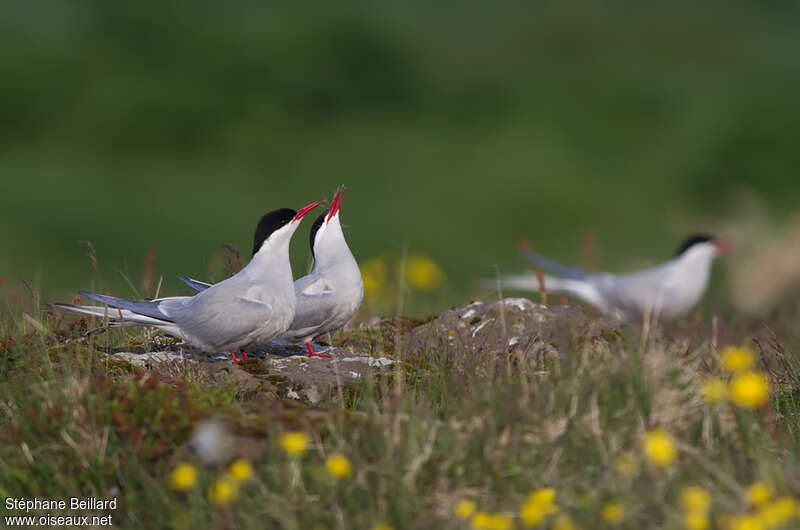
(254, 306)
(329, 296)
(667, 290)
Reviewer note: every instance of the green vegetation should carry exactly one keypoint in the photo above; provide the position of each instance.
(457, 129)
(159, 131)
(447, 425)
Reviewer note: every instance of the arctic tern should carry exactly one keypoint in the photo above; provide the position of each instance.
(667, 290)
(331, 294)
(255, 305)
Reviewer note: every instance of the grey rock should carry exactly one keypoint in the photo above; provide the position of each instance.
(500, 326)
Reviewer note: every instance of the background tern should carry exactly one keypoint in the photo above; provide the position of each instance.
(329, 296)
(667, 290)
(251, 307)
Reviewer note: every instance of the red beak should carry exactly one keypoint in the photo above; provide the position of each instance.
(336, 204)
(305, 209)
(723, 246)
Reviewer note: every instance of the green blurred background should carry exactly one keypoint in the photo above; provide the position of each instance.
(457, 128)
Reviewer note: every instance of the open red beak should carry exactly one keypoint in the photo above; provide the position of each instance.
(336, 204)
(723, 246)
(305, 209)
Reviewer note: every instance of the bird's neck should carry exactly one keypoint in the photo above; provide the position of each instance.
(695, 267)
(696, 259)
(332, 255)
(273, 259)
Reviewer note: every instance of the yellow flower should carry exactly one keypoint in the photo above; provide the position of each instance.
(750, 390)
(294, 443)
(482, 521)
(542, 497)
(736, 359)
(627, 464)
(241, 470)
(714, 390)
(373, 274)
(778, 512)
(695, 499)
(659, 447)
(183, 477)
(696, 520)
(338, 465)
(383, 525)
(563, 522)
(500, 521)
(539, 505)
(464, 509)
(222, 491)
(423, 273)
(746, 522)
(613, 512)
(758, 494)
(531, 514)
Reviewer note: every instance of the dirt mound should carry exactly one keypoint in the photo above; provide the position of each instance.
(285, 371)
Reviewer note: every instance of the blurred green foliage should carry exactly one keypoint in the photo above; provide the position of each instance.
(456, 127)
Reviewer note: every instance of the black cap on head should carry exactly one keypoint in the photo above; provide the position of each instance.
(692, 241)
(315, 228)
(269, 223)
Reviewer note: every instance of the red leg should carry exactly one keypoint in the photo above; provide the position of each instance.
(312, 354)
(234, 358)
(244, 356)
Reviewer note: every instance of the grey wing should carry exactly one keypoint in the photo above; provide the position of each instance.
(315, 303)
(635, 294)
(219, 319)
(554, 266)
(194, 284)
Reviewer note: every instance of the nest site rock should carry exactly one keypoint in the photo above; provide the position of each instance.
(506, 325)
(284, 370)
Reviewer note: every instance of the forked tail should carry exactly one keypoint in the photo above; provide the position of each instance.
(123, 312)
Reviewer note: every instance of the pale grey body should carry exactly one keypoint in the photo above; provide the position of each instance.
(252, 307)
(329, 296)
(667, 290)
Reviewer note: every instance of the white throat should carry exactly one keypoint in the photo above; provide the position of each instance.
(330, 247)
(274, 251)
(689, 278)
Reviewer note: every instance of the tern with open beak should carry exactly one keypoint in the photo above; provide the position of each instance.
(255, 305)
(331, 294)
